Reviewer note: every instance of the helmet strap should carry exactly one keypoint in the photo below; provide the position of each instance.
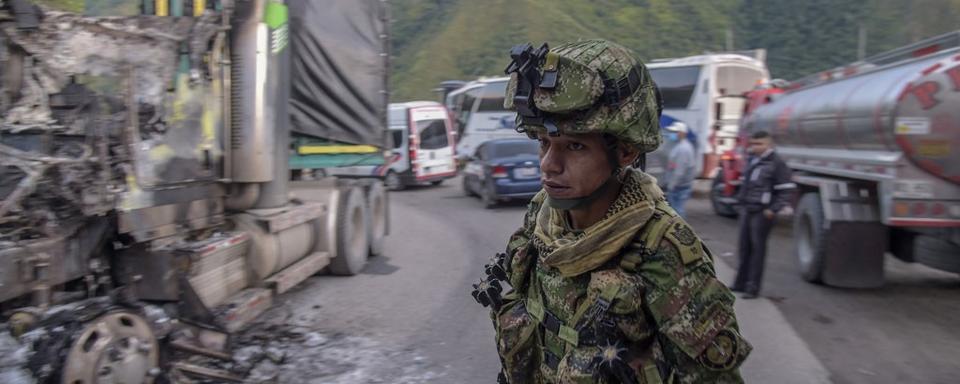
(582, 202)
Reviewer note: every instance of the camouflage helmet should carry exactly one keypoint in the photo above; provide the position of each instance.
(583, 87)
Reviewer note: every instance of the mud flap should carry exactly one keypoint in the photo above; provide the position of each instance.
(850, 263)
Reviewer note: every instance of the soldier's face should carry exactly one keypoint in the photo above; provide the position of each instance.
(573, 166)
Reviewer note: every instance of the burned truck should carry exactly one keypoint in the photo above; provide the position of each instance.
(165, 172)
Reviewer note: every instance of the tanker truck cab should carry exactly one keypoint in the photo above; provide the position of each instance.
(705, 92)
(423, 144)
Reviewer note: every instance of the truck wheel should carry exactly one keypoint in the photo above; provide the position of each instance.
(809, 235)
(716, 193)
(436, 182)
(378, 206)
(937, 253)
(352, 222)
(393, 182)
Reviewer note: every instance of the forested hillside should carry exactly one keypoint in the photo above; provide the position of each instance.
(436, 40)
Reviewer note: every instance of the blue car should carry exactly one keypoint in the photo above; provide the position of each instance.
(503, 169)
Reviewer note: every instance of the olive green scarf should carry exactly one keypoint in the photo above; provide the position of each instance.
(577, 252)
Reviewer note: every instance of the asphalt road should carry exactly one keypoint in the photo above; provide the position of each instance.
(408, 317)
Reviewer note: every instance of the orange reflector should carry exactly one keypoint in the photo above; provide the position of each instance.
(901, 209)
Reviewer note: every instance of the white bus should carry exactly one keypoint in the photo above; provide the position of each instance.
(706, 93)
(479, 115)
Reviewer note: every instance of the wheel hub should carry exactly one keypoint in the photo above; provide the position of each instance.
(118, 347)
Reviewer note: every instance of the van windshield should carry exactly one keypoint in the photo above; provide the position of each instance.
(514, 148)
(433, 134)
(676, 84)
(492, 98)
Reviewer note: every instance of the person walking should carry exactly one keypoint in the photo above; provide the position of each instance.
(608, 284)
(766, 189)
(681, 168)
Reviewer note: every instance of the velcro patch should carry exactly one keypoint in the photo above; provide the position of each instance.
(687, 242)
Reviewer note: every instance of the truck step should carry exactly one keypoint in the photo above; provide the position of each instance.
(218, 266)
(242, 308)
(290, 276)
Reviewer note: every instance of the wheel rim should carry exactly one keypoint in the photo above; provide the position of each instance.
(805, 241)
(117, 347)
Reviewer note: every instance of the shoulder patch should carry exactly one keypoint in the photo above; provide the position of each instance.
(687, 242)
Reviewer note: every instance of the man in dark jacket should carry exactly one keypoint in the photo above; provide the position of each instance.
(765, 190)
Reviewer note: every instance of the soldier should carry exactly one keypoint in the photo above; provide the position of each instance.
(765, 190)
(609, 284)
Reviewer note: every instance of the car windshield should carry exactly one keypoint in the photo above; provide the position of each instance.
(514, 148)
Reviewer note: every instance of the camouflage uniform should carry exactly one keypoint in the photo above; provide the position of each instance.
(634, 297)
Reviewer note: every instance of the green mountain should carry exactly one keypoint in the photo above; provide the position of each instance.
(436, 40)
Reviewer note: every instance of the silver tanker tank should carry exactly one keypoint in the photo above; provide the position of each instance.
(911, 108)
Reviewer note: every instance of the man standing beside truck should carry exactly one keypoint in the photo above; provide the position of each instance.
(765, 190)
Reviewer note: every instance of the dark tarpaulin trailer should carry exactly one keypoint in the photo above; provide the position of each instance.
(340, 60)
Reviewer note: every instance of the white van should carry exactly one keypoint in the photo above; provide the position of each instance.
(706, 93)
(423, 145)
(479, 115)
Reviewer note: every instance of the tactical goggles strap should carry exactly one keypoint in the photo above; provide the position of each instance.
(615, 92)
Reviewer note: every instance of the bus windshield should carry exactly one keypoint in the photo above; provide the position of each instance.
(676, 84)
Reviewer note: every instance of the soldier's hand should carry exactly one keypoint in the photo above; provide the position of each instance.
(769, 214)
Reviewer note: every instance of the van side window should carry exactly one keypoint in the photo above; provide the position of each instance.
(397, 135)
(433, 134)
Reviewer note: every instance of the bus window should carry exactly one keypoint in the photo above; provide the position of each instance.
(676, 85)
(465, 109)
(493, 94)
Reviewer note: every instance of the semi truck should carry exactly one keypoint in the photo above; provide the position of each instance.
(873, 146)
(166, 171)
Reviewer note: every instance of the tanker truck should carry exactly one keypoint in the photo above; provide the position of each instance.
(165, 173)
(874, 150)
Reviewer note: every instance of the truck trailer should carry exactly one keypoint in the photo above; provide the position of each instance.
(165, 172)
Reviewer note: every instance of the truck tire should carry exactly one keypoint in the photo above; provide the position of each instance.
(716, 192)
(809, 236)
(937, 253)
(351, 231)
(378, 206)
